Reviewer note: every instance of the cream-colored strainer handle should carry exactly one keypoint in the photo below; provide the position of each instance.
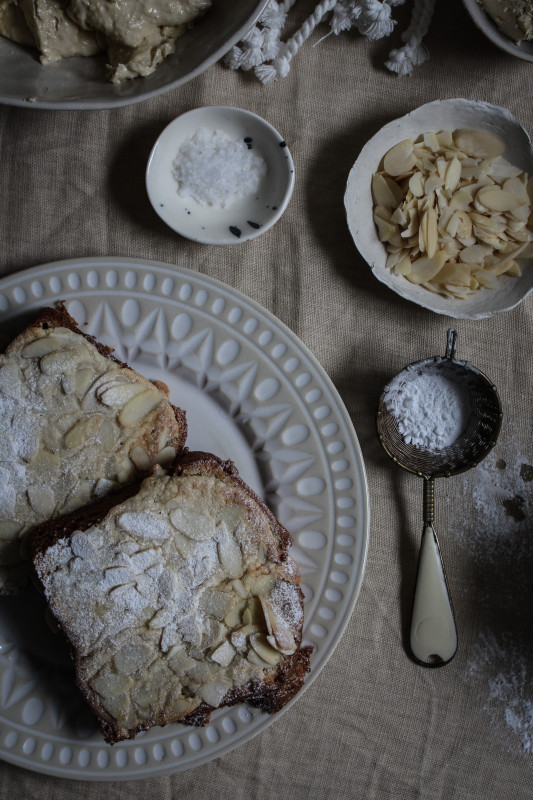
(433, 633)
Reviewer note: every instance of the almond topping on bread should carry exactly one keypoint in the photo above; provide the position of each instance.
(75, 423)
(176, 599)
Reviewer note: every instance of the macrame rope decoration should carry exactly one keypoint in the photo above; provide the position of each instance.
(414, 51)
(372, 18)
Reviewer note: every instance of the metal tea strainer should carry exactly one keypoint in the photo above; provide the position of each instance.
(433, 638)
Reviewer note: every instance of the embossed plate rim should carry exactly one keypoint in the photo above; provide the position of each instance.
(42, 285)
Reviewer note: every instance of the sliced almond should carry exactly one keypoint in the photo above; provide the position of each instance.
(83, 379)
(517, 187)
(385, 228)
(424, 269)
(416, 184)
(486, 278)
(403, 265)
(141, 458)
(138, 407)
(267, 653)
(82, 431)
(230, 556)
(213, 692)
(431, 140)
(474, 254)
(445, 138)
(42, 500)
(478, 143)
(400, 158)
(496, 199)
(43, 346)
(453, 273)
(116, 394)
(453, 175)
(514, 269)
(385, 191)
(460, 200)
(223, 654)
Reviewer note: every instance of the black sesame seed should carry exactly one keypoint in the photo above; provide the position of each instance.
(235, 231)
(253, 224)
(283, 144)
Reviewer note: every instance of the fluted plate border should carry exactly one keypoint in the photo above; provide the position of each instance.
(256, 392)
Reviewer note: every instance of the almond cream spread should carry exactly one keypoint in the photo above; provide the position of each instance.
(513, 17)
(137, 34)
(177, 597)
(74, 425)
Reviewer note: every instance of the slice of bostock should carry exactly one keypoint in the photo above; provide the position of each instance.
(179, 599)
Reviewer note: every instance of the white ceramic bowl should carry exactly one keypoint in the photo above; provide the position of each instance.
(242, 220)
(436, 116)
(489, 28)
(79, 83)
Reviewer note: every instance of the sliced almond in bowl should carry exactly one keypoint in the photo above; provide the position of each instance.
(480, 196)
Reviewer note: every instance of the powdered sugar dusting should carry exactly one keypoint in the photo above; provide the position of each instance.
(509, 689)
(431, 409)
(286, 601)
(60, 444)
(501, 490)
(138, 569)
(500, 544)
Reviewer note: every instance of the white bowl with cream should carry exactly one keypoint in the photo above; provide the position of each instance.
(80, 82)
(489, 27)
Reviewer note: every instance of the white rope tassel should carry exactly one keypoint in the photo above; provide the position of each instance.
(345, 13)
(372, 18)
(262, 42)
(414, 52)
(267, 73)
(375, 20)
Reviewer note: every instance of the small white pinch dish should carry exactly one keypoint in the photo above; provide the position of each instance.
(439, 115)
(246, 217)
(490, 29)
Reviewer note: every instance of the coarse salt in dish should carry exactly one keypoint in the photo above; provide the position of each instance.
(216, 170)
(220, 175)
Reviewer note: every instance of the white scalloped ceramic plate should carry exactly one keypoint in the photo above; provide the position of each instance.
(253, 393)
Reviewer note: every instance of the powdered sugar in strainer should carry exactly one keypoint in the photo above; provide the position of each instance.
(436, 418)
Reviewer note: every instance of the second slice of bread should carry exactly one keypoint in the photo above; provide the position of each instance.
(176, 599)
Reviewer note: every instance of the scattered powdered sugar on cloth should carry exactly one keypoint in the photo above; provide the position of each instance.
(501, 490)
(215, 170)
(430, 408)
(509, 701)
(500, 544)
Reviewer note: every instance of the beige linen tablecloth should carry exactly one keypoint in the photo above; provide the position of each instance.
(373, 724)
